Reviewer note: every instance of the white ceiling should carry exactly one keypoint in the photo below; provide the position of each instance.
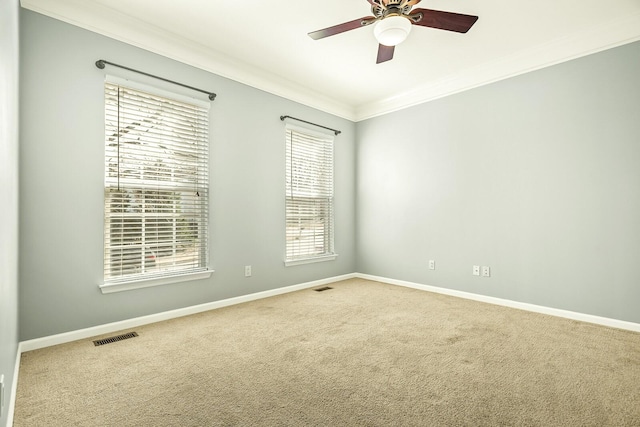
(265, 44)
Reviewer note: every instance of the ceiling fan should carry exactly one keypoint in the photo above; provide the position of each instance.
(394, 20)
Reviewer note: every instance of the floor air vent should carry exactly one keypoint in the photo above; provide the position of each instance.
(326, 288)
(115, 339)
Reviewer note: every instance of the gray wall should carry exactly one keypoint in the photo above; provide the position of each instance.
(537, 176)
(61, 187)
(9, 61)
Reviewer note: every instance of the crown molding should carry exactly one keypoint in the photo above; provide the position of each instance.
(103, 20)
(602, 37)
(111, 23)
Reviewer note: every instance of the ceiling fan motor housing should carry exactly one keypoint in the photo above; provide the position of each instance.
(391, 10)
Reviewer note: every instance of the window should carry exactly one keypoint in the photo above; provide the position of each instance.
(156, 185)
(309, 196)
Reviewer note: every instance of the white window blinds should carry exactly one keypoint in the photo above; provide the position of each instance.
(309, 196)
(156, 186)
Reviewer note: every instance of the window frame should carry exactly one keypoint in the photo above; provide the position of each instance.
(326, 138)
(139, 280)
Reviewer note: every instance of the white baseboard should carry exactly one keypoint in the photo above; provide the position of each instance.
(14, 388)
(66, 337)
(604, 321)
(158, 317)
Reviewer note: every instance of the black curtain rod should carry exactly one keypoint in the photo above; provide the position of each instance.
(100, 63)
(304, 121)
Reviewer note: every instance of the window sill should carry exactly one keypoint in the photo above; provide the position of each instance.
(108, 288)
(311, 260)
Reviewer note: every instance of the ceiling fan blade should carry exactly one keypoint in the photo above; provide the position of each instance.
(385, 53)
(341, 28)
(444, 20)
(413, 2)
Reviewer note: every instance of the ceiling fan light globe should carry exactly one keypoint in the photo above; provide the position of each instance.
(392, 31)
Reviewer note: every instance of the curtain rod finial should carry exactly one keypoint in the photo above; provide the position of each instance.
(212, 97)
(100, 64)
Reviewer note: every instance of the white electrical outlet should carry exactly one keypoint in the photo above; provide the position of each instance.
(432, 264)
(476, 270)
(486, 271)
(247, 271)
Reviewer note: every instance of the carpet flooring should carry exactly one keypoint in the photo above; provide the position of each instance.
(361, 354)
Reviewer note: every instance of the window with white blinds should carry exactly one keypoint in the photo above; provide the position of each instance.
(156, 185)
(309, 196)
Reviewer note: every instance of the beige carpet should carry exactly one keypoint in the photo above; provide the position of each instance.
(360, 354)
